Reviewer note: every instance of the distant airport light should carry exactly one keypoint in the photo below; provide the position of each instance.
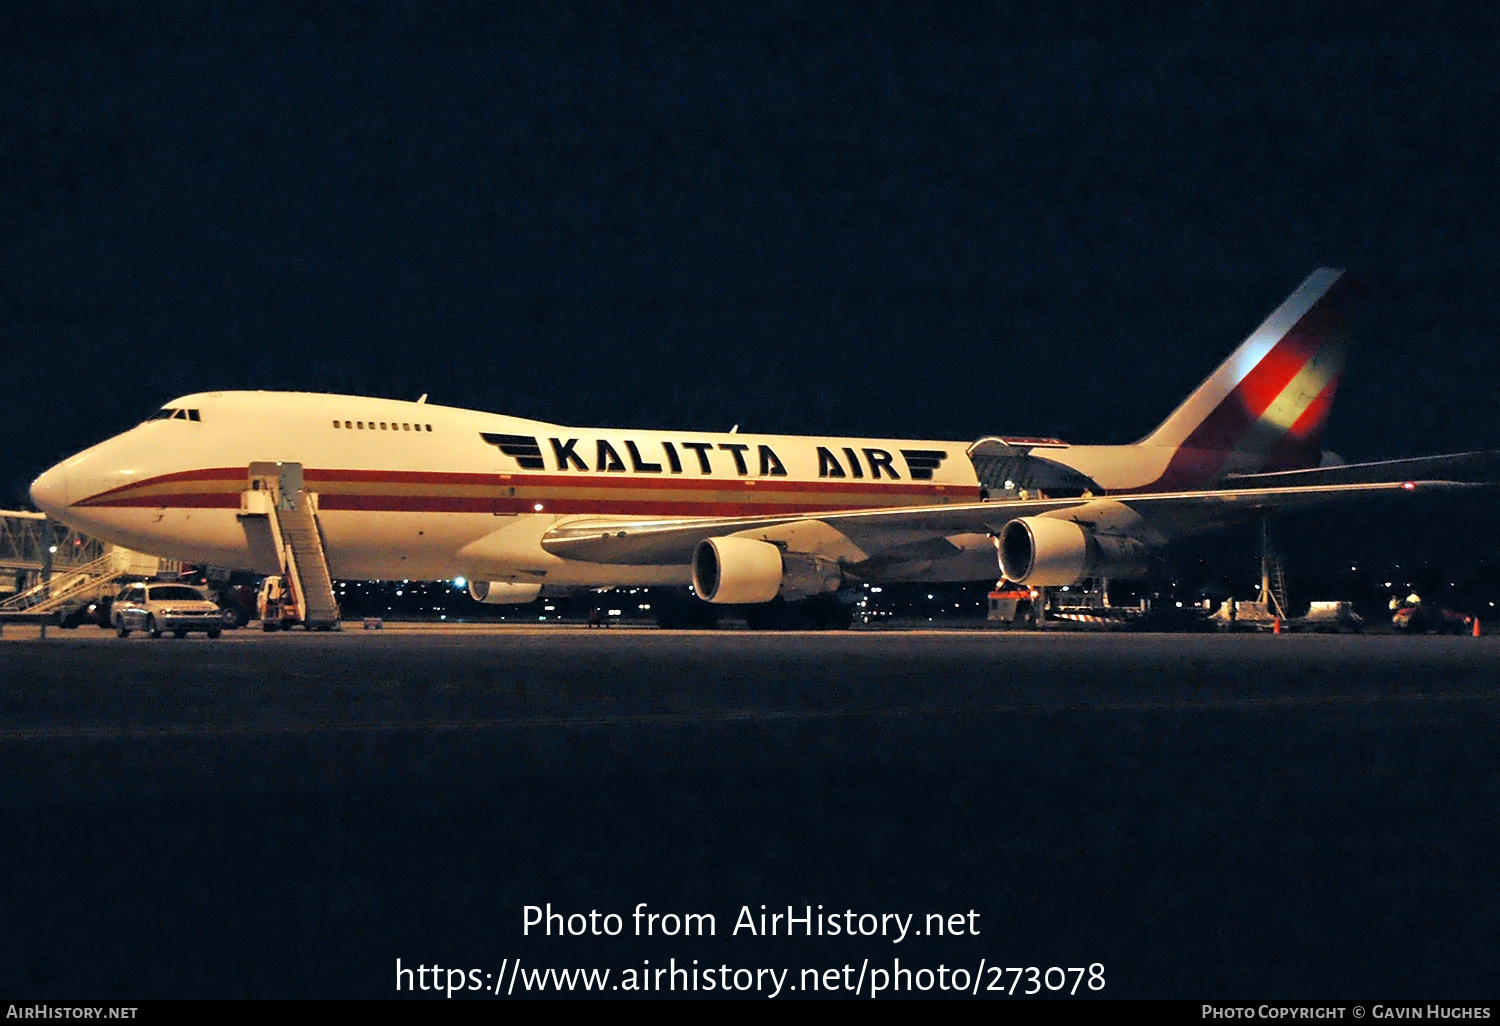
(1410, 486)
(52, 548)
(537, 507)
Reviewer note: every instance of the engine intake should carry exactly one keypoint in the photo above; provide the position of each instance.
(1045, 552)
(503, 593)
(736, 571)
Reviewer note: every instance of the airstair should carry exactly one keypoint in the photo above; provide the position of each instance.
(1268, 611)
(1273, 585)
(68, 587)
(289, 512)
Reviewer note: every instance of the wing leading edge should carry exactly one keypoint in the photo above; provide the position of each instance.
(865, 533)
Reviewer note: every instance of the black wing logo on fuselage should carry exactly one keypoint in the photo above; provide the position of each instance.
(522, 448)
(920, 463)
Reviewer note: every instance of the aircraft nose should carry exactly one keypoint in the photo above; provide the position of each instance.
(50, 491)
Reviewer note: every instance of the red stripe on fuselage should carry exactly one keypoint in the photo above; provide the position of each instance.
(205, 474)
(626, 480)
(605, 507)
(171, 500)
(535, 485)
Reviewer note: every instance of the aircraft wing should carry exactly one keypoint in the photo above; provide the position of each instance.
(856, 535)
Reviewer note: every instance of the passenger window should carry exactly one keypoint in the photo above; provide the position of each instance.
(429, 427)
(382, 425)
(405, 427)
(335, 424)
(348, 424)
(361, 425)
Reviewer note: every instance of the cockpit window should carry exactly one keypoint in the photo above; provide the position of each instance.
(173, 413)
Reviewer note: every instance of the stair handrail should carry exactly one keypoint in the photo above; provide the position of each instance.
(61, 586)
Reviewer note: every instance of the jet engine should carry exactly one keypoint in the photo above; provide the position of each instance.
(1044, 552)
(503, 593)
(732, 571)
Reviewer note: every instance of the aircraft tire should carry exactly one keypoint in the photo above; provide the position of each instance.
(152, 631)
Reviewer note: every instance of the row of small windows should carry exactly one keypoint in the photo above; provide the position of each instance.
(370, 425)
(170, 413)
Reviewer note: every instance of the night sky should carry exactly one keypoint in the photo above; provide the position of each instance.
(798, 218)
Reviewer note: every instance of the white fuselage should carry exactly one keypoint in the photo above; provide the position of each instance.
(416, 491)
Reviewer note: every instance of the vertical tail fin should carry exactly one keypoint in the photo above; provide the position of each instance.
(1264, 409)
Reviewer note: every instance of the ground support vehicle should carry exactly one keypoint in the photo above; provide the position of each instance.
(155, 608)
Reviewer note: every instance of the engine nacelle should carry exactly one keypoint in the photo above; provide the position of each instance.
(734, 571)
(1044, 552)
(503, 593)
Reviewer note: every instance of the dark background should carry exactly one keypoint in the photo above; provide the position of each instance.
(848, 219)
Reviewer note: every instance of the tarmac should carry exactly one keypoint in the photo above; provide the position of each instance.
(1203, 816)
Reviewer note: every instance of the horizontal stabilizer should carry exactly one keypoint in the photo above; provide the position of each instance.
(1480, 464)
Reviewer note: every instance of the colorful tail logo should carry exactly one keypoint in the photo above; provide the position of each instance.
(1264, 409)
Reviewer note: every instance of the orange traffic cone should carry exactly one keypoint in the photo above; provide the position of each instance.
(1276, 626)
(1476, 626)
